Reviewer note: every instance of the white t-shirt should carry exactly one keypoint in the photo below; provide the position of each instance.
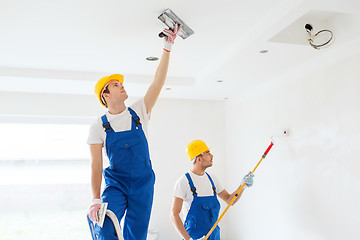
(119, 122)
(203, 188)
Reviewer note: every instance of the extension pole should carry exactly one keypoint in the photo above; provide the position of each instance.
(237, 193)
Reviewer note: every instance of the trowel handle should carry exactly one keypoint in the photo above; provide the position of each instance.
(161, 35)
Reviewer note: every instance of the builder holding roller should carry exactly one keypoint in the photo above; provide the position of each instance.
(196, 194)
(122, 131)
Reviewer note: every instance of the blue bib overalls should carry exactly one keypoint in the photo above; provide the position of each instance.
(203, 213)
(129, 181)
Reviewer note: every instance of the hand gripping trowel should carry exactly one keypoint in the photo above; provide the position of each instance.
(101, 214)
(171, 19)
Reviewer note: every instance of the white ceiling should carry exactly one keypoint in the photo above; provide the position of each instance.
(65, 46)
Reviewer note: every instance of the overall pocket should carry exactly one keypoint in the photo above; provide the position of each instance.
(211, 207)
(123, 152)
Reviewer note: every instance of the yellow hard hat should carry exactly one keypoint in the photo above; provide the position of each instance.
(195, 148)
(100, 85)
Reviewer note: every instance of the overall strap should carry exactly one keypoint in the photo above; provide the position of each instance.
(135, 118)
(212, 183)
(192, 187)
(106, 124)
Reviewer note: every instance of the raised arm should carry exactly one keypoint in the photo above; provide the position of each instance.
(155, 88)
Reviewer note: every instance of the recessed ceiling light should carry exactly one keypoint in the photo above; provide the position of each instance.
(264, 51)
(219, 81)
(168, 88)
(152, 58)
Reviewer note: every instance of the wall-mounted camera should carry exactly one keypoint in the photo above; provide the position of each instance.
(308, 27)
(322, 34)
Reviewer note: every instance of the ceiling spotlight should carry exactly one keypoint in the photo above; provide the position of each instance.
(219, 81)
(151, 58)
(168, 88)
(264, 51)
(320, 39)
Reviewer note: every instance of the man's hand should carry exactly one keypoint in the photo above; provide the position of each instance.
(249, 179)
(94, 208)
(170, 37)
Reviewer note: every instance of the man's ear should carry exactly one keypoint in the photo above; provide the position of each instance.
(105, 95)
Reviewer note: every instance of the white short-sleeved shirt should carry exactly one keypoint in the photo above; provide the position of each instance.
(119, 122)
(203, 188)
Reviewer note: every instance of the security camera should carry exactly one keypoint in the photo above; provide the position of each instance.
(308, 27)
(323, 33)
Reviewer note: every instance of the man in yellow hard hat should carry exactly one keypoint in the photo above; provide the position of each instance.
(123, 132)
(196, 196)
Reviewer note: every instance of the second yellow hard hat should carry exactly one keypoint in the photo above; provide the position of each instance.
(195, 148)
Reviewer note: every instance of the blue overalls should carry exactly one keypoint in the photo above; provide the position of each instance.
(203, 213)
(129, 181)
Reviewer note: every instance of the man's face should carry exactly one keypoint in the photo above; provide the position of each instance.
(117, 92)
(207, 159)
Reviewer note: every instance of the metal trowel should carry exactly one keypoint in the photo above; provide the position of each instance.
(101, 214)
(171, 19)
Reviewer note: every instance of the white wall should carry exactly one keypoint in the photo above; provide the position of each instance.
(308, 186)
